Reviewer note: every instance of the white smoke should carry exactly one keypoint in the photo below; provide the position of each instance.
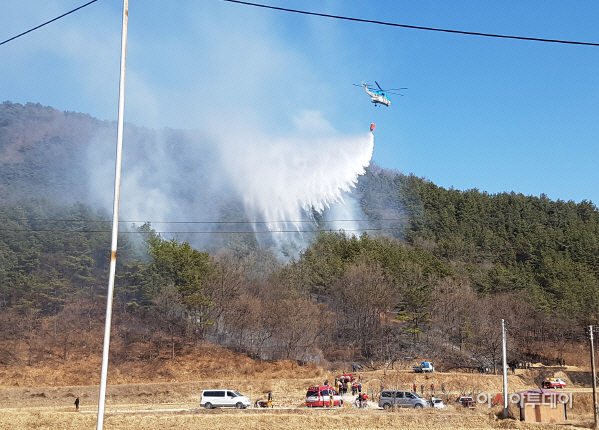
(278, 182)
(282, 181)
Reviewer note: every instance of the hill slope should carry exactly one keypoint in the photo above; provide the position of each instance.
(437, 272)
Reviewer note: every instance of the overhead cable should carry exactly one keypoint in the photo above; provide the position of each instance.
(41, 230)
(415, 27)
(48, 22)
(347, 18)
(200, 222)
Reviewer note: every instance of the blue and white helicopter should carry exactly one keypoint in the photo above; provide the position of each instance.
(379, 96)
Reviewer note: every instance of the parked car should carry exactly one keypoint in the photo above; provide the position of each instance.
(437, 403)
(554, 383)
(466, 401)
(424, 367)
(223, 398)
(319, 396)
(402, 399)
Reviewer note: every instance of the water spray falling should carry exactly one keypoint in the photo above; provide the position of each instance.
(285, 180)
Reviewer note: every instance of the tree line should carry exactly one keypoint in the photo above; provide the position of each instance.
(436, 281)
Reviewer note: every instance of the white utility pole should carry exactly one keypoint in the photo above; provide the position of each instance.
(115, 219)
(594, 377)
(505, 391)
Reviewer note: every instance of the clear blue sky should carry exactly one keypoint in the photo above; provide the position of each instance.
(493, 114)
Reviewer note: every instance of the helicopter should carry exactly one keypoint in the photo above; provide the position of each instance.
(379, 96)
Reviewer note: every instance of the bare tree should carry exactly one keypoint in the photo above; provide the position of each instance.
(169, 317)
(240, 322)
(453, 301)
(486, 318)
(265, 327)
(387, 348)
(66, 327)
(299, 325)
(224, 288)
(362, 295)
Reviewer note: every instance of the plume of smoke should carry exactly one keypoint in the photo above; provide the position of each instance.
(276, 182)
(283, 181)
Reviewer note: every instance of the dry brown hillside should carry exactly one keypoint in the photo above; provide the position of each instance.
(165, 393)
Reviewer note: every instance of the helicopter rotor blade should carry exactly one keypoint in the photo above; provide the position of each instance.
(377, 84)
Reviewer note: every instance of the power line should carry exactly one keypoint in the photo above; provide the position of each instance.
(48, 22)
(199, 232)
(215, 223)
(199, 222)
(346, 18)
(415, 27)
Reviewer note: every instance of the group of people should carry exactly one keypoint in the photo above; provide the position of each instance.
(362, 400)
(346, 383)
(344, 386)
(415, 387)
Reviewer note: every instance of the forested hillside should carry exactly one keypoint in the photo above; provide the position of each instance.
(505, 242)
(42, 151)
(69, 157)
(434, 277)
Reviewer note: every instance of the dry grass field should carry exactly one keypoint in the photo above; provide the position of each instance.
(166, 394)
(253, 419)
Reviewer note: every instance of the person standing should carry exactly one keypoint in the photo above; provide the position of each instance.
(363, 400)
(415, 388)
(77, 404)
(422, 388)
(443, 387)
(432, 388)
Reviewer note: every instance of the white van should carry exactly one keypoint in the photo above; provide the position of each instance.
(223, 399)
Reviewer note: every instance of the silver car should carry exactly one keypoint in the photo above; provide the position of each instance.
(402, 399)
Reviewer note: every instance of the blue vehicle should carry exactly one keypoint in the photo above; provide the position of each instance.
(424, 367)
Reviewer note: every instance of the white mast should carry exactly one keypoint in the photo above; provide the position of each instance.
(115, 219)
